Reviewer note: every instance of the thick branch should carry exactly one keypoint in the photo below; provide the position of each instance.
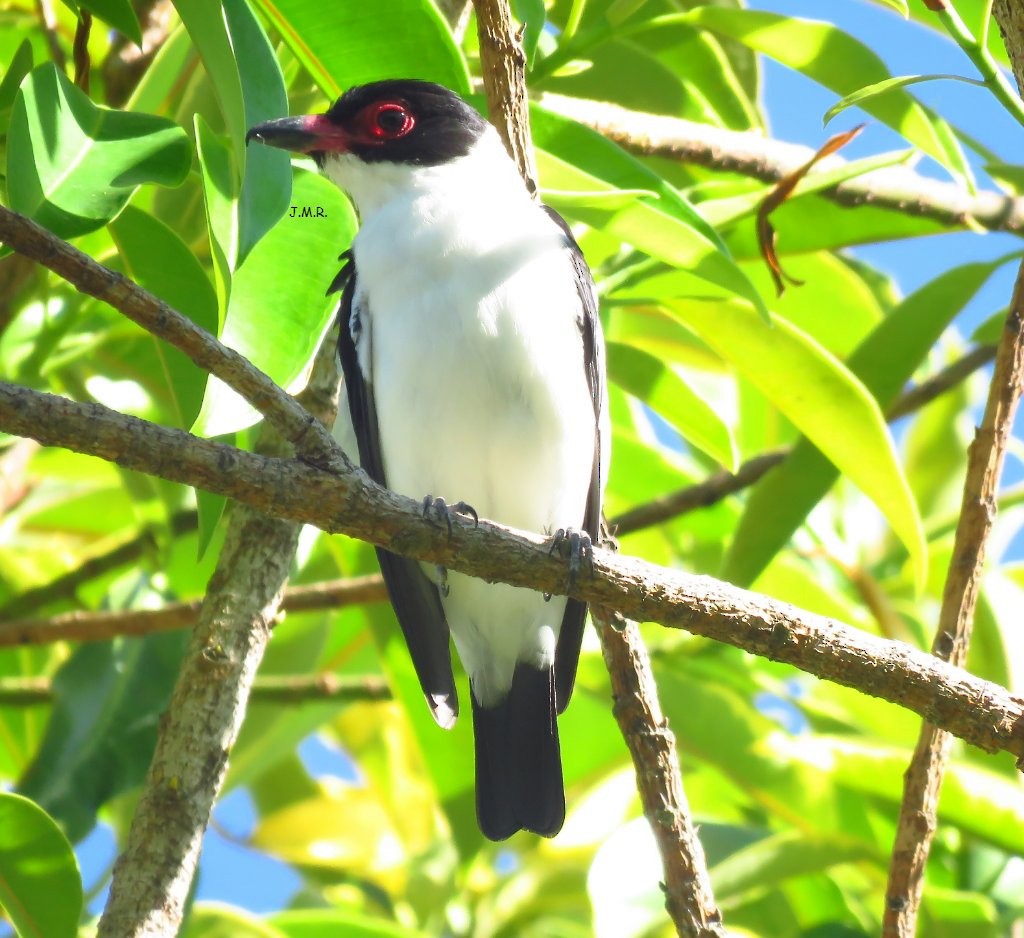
(977, 711)
(923, 780)
(897, 188)
(97, 626)
(153, 875)
(503, 62)
(652, 747)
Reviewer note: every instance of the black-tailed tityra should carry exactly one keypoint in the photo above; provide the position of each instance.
(473, 361)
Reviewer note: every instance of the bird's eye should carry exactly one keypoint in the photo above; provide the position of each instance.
(390, 120)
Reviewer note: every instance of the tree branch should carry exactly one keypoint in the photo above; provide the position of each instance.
(724, 483)
(923, 781)
(503, 62)
(897, 188)
(689, 899)
(275, 688)
(97, 626)
(976, 710)
(652, 747)
(153, 875)
(309, 437)
(66, 585)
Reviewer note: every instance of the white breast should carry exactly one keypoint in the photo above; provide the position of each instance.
(471, 341)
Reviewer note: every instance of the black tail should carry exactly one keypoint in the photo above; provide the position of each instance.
(518, 765)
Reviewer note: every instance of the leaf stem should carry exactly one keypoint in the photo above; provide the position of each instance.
(977, 51)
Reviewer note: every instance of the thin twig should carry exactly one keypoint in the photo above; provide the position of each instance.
(724, 483)
(897, 188)
(80, 50)
(923, 780)
(977, 711)
(50, 26)
(98, 626)
(652, 747)
(66, 585)
(275, 688)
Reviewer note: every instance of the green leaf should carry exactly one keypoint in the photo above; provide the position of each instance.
(820, 396)
(72, 166)
(359, 43)
(109, 697)
(836, 60)
(267, 180)
(669, 229)
(774, 859)
(220, 193)
(210, 920)
(658, 386)
(780, 502)
(315, 923)
(21, 65)
(278, 309)
(40, 887)
(206, 23)
(900, 6)
(158, 260)
(117, 13)
(249, 87)
(882, 87)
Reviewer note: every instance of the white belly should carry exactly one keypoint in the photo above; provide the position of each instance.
(481, 397)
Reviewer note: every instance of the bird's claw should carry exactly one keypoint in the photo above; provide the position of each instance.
(442, 580)
(579, 548)
(438, 510)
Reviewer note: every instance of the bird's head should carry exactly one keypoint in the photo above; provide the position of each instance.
(378, 134)
(401, 120)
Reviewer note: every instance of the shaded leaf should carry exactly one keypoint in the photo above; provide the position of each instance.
(117, 13)
(158, 260)
(108, 700)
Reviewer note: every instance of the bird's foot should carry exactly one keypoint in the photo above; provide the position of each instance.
(437, 511)
(577, 547)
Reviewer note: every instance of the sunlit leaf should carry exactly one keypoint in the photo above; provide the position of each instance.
(889, 84)
(360, 43)
(72, 166)
(279, 309)
(40, 887)
(780, 502)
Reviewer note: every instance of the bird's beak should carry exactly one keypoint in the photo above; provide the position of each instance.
(309, 134)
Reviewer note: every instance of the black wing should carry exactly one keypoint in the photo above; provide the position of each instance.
(414, 598)
(567, 652)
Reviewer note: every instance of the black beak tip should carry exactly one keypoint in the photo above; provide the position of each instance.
(254, 134)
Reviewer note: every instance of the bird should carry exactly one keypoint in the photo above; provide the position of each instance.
(473, 360)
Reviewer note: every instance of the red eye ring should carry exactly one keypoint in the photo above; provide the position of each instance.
(389, 120)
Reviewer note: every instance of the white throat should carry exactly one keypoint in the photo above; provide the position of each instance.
(484, 172)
